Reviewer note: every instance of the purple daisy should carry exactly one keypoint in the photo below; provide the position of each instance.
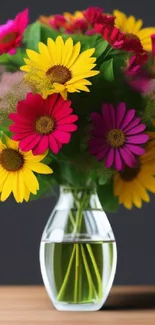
(117, 136)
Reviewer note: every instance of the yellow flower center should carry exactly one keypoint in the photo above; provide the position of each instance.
(45, 125)
(10, 37)
(116, 138)
(11, 160)
(59, 74)
(128, 174)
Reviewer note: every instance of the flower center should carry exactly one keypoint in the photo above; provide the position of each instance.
(128, 174)
(10, 37)
(11, 160)
(116, 138)
(132, 36)
(45, 125)
(59, 74)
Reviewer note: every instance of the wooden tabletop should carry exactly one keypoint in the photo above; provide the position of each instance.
(27, 305)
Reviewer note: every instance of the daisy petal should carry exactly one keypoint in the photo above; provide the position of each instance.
(137, 139)
(127, 156)
(41, 146)
(53, 144)
(138, 129)
(110, 158)
(29, 142)
(67, 127)
(61, 136)
(128, 118)
(39, 168)
(118, 161)
(135, 149)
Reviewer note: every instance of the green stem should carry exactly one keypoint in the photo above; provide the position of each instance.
(72, 218)
(76, 273)
(90, 281)
(80, 277)
(81, 203)
(98, 277)
(108, 52)
(63, 287)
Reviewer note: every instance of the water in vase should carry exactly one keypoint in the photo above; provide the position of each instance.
(78, 274)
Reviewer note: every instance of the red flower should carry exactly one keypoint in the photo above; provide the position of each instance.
(40, 123)
(119, 40)
(57, 22)
(95, 15)
(135, 64)
(80, 25)
(11, 33)
(153, 44)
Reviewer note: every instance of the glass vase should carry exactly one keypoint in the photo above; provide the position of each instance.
(78, 252)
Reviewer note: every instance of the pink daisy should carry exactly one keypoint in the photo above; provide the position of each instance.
(40, 123)
(117, 136)
(12, 31)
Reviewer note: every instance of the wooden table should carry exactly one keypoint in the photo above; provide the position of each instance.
(31, 306)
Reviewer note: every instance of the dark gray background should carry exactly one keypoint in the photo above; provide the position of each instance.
(21, 225)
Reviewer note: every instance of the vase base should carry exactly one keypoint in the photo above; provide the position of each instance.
(77, 307)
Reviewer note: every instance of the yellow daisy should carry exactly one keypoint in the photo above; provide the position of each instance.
(16, 171)
(131, 185)
(59, 67)
(129, 25)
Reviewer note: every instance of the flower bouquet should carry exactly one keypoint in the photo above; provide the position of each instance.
(77, 96)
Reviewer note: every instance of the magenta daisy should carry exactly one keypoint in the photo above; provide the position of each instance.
(40, 123)
(12, 31)
(117, 136)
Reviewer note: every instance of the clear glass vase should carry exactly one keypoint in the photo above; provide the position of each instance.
(78, 252)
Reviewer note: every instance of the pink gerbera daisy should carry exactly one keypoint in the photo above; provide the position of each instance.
(117, 136)
(40, 123)
(12, 31)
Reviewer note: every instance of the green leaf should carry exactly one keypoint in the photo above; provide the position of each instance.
(47, 32)
(72, 175)
(3, 59)
(107, 70)
(4, 128)
(17, 59)
(106, 196)
(33, 36)
(100, 47)
(104, 179)
(26, 33)
(12, 63)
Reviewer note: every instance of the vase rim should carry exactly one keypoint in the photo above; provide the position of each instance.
(77, 188)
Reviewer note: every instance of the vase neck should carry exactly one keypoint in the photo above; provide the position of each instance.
(79, 198)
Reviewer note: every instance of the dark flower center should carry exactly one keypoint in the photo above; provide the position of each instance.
(128, 174)
(132, 36)
(45, 125)
(11, 160)
(116, 138)
(59, 74)
(10, 37)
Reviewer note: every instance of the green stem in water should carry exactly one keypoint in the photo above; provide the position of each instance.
(80, 276)
(98, 277)
(76, 273)
(63, 287)
(88, 273)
